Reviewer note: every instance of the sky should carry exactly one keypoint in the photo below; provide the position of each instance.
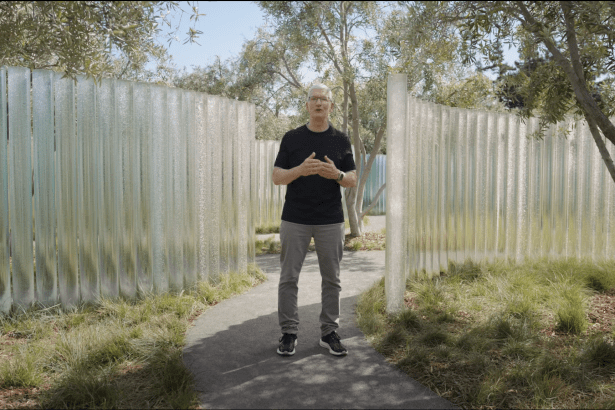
(225, 26)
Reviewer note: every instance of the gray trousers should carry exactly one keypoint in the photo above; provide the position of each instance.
(329, 242)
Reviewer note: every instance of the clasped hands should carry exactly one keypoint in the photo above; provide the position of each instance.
(313, 166)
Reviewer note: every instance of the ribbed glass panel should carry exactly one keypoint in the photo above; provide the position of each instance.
(449, 129)
(396, 256)
(252, 223)
(44, 194)
(273, 190)
(203, 186)
(127, 189)
(120, 175)
(235, 184)
(572, 155)
(227, 188)
(557, 214)
(159, 182)
(411, 197)
(511, 175)
(501, 146)
(472, 219)
(20, 185)
(67, 200)
(422, 198)
(523, 192)
(492, 192)
(89, 188)
(176, 189)
(109, 238)
(6, 299)
(535, 196)
(269, 190)
(244, 187)
(546, 192)
(260, 181)
(190, 239)
(610, 209)
(214, 154)
(462, 183)
(258, 173)
(481, 184)
(585, 222)
(143, 157)
(443, 174)
(490, 178)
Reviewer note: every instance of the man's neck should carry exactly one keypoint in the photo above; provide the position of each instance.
(318, 125)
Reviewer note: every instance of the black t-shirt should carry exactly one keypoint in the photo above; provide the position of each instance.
(314, 200)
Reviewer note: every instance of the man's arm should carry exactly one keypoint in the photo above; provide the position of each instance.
(349, 180)
(283, 176)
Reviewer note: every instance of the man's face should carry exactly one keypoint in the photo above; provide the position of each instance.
(318, 105)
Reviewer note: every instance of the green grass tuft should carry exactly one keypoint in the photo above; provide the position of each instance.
(482, 335)
(600, 355)
(434, 337)
(23, 371)
(409, 320)
(571, 317)
(117, 354)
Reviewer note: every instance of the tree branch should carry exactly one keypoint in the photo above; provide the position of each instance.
(373, 201)
(297, 84)
(581, 92)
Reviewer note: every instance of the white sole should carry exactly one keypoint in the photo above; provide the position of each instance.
(287, 353)
(326, 346)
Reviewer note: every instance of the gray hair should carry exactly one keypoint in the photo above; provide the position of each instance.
(323, 87)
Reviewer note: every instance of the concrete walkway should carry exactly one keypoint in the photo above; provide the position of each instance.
(231, 349)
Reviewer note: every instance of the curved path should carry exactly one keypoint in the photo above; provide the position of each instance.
(231, 349)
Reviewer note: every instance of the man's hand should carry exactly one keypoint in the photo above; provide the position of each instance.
(310, 166)
(328, 169)
(313, 166)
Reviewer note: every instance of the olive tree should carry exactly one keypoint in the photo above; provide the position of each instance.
(95, 38)
(570, 47)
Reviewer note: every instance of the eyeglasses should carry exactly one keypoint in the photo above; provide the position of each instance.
(315, 99)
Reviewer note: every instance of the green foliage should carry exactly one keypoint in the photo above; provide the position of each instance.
(118, 354)
(102, 38)
(494, 354)
(22, 371)
(571, 317)
(409, 320)
(600, 355)
(566, 52)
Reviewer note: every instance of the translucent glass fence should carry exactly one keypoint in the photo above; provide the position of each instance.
(270, 202)
(269, 197)
(472, 185)
(119, 188)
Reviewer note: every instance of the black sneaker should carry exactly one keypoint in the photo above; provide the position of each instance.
(333, 342)
(287, 344)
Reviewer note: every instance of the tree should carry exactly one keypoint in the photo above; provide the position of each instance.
(570, 46)
(235, 78)
(329, 32)
(95, 38)
(428, 49)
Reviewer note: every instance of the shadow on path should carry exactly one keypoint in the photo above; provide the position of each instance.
(231, 349)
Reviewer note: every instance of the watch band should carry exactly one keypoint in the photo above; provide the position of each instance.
(340, 177)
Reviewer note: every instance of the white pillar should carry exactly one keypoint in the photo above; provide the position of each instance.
(396, 196)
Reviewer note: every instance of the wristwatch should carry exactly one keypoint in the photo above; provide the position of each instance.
(340, 177)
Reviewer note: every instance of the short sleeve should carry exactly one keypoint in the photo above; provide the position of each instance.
(348, 159)
(282, 160)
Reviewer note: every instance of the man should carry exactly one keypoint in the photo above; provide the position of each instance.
(314, 160)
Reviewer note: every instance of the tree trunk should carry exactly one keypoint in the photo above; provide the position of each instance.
(356, 224)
